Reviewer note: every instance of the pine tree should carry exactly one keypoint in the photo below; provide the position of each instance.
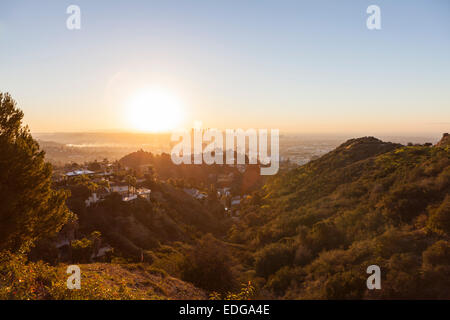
(29, 208)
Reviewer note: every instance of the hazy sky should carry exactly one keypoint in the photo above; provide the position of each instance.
(305, 66)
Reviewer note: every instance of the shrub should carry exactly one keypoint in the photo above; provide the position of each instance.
(405, 202)
(20, 280)
(437, 254)
(82, 250)
(325, 235)
(282, 280)
(208, 266)
(345, 285)
(439, 220)
(246, 293)
(273, 257)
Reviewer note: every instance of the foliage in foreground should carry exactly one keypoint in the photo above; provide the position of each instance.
(30, 208)
(23, 280)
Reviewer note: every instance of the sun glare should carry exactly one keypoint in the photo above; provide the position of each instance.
(154, 110)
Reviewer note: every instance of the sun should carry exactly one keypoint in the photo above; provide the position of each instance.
(154, 110)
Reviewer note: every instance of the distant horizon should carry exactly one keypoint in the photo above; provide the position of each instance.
(383, 136)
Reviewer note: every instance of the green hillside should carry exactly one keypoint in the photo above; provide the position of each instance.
(316, 229)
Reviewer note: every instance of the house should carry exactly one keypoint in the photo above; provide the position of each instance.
(223, 192)
(92, 199)
(225, 179)
(201, 196)
(144, 193)
(129, 198)
(103, 174)
(97, 196)
(235, 201)
(122, 190)
(79, 173)
(195, 193)
(101, 252)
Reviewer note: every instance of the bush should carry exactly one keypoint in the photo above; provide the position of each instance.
(437, 254)
(24, 280)
(345, 285)
(20, 280)
(282, 280)
(273, 257)
(208, 266)
(246, 293)
(406, 202)
(325, 235)
(82, 250)
(439, 220)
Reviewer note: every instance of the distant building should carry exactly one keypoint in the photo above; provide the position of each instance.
(235, 201)
(129, 198)
(79, 173)
(225, 179)
(195, 193)
(122, 190)
(140, 193)
(144, 193)
(224, 191)
(101, 252)
(92, 199)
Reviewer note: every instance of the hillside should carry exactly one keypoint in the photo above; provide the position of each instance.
(172, 215)
(139, 281)
(316, 229)
(21, 280)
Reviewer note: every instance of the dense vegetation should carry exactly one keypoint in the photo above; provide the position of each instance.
(308, 233)
(29, 207)
(317, 228)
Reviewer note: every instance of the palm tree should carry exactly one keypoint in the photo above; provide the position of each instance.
(131, 181)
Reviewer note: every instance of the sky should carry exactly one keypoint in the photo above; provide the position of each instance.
(298, 66)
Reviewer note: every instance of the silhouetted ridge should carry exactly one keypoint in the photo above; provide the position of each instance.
(355, 150)
(445, 141)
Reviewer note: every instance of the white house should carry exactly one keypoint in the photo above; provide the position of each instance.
(79, 173)
(195, 193)
(119, 189)
(92, 199)
(144, 193)
(130, 198)
(235, 201)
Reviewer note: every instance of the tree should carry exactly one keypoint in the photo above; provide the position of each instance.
(439, 220)
(29, 208)
(209, 266)
(272, 258)
(131, 182)
(150, 174)
(212, 194)
(82, 250)
(94, 166)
